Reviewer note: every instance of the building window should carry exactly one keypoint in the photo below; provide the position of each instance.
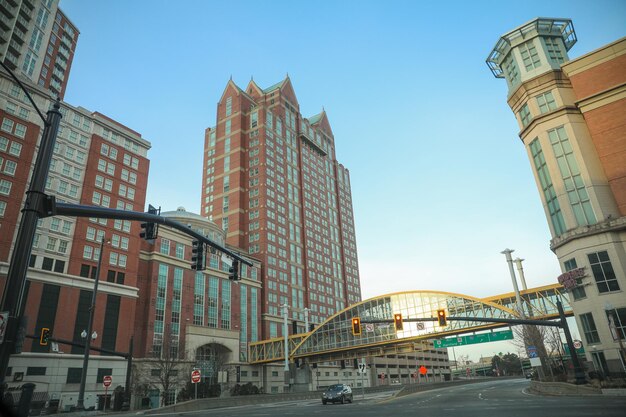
(165, 247)
(73, 375)
(553, 49)
(619, 322)
(574, 185)
(229, 106)
(180, 251)
(524, 115)
(102, 372)
(589, 328)
(578, 292)
(510, 69)
(556, 217)
(36, 370)
(529, 55)
(603, 272)
(546, 102)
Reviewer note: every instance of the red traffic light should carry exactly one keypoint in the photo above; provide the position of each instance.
(356, 326)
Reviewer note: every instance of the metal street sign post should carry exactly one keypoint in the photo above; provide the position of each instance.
(107, 380)
(195, 378)
(362, 368)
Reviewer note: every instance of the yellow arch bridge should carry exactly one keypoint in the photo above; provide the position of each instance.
(334, 340)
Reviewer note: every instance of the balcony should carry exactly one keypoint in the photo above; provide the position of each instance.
(7, 9)
(305, 137)
(14, 47)
(5, 23)
(21, 23)
(28, 3)
(12, 2)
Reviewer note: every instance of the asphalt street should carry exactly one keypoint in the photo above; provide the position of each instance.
(507, 398)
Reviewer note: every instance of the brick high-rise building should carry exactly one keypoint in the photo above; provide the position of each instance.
(96, 161)
(572, 118)
(272, 181)
(38, 41)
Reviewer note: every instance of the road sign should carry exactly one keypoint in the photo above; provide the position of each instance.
(362, 368)
(195, 376)
(107, 380)
(423, 370)
(473, 339)
(532, 351)
(578, 344)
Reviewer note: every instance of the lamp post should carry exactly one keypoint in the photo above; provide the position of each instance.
(507, 252)
(80, 405)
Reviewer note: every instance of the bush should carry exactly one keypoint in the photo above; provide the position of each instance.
(246, 389)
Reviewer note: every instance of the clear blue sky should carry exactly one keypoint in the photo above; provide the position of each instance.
(440, 180)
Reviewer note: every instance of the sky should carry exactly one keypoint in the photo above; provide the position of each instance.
(441, 183)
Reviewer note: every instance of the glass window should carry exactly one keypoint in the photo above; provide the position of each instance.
(589, 328)
(546, 102)
(165, 246)
(553, 49)
(574, 185)
(579, 291)
(603, 272)
(524, 115)
(618, 326)
(547, 187)
(529, 55)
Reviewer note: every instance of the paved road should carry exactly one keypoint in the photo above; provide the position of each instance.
(506, 398)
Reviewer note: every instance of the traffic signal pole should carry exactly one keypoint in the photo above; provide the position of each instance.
(36, 204)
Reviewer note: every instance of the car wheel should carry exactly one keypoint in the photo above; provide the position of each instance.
(324, 402)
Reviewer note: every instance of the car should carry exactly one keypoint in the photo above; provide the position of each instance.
(337, 393)
(530, 374)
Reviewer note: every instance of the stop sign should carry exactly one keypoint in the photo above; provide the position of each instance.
(195, 376)
(107, 380)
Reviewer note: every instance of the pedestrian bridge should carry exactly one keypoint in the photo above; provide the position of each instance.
(333, 339)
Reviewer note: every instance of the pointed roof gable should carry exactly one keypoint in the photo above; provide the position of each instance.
(321, 119)
(232, 84)
(286, 88)
(253, 89)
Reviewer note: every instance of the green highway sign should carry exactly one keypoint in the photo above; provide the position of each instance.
(473, 339)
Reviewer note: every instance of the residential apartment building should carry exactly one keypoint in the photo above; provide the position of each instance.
(38, 41)
(96, 161)
(572, 118)
(271, 180)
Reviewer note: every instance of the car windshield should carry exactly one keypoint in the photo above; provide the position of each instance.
(335, 388)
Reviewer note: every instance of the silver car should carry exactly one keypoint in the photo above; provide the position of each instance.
(337, 393)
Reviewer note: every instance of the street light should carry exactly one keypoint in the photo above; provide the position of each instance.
(80, 405)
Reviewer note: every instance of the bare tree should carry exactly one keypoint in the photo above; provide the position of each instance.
(167, 369)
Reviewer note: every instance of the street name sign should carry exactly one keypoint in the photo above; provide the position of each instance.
(473, 339)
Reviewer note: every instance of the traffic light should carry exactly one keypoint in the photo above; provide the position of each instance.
(233, 271)
(441, 317)
(356, 326)
(197, 255)
(397, 321)
(45, 336)
(150, 231)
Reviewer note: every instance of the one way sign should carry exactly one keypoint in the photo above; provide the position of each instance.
(362, 368)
